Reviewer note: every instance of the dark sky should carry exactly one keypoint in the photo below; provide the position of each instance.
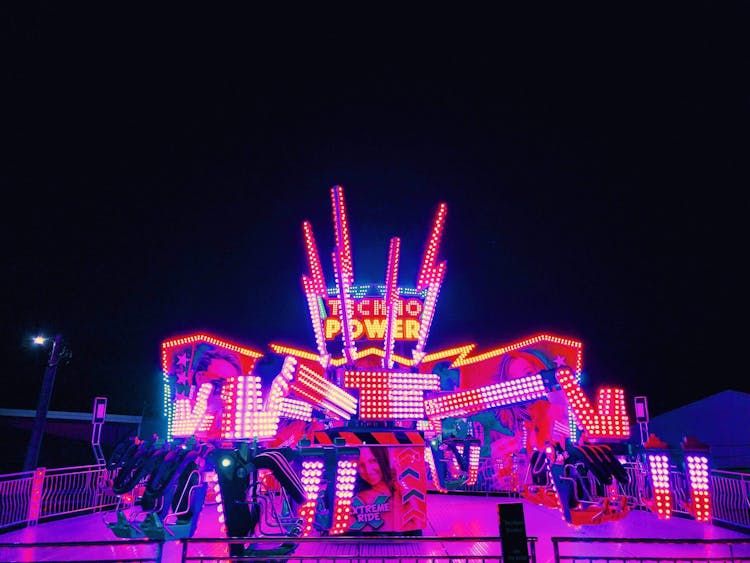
(158, 165)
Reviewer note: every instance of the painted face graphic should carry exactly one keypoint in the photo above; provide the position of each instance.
(369, 469)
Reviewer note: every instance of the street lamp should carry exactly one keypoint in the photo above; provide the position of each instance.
(58, 353)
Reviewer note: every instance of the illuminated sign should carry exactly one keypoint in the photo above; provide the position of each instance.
(370, 318)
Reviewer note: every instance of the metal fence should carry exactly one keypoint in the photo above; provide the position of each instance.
(578, 550)
(730, 494)
(338, 549)
(394, 549)
(105, 551)
(730, 491)
(384, 550)
(32, 496)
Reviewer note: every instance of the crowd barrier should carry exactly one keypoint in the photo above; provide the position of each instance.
(43, 494)
(682, 551)
(730, 492)
(32, 497)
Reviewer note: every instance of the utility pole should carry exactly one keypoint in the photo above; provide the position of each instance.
(35, 443)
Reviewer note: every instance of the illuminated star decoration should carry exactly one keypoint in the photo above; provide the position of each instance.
(182, 385)
(560, 361)
(182, 359)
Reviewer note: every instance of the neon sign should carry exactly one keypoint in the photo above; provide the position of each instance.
(370, 318)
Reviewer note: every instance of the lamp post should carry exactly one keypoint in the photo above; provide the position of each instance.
(57, 353)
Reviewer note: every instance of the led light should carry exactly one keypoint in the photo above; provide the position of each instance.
(391, 295)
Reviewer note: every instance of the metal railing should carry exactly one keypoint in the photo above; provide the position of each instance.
(730, 492)
(32, 496)
(119, 551)
(383, 550)
(730, 495)
(639, 550)
(29, 497)
(337, 549)
(395, 549)
(15, 494)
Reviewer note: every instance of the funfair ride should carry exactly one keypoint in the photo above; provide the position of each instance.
(289, 443)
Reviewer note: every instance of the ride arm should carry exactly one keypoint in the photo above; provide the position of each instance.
(503, 394)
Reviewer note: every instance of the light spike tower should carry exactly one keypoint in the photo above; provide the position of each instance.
(344, 270)
(314, 287)
(430, 278)
(391, 299)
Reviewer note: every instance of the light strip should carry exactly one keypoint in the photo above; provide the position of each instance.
(280, 385)
(698, 478)
(285, 350)
(347, 308)
(313, 260)
(608, 420)
(187, 420)
(292, 408)
(323, 393)
(430, 460)
(429, 258)
(346, 477)
(203, 337)
(659, 469)
(391, 298)
(474, 450)
(506, 393)
(428, 313)
(312, 474)
(341, 223)
(315, 317)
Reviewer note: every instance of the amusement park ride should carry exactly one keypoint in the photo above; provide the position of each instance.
(348, 438)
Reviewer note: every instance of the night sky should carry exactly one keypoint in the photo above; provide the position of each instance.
(158, 166)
